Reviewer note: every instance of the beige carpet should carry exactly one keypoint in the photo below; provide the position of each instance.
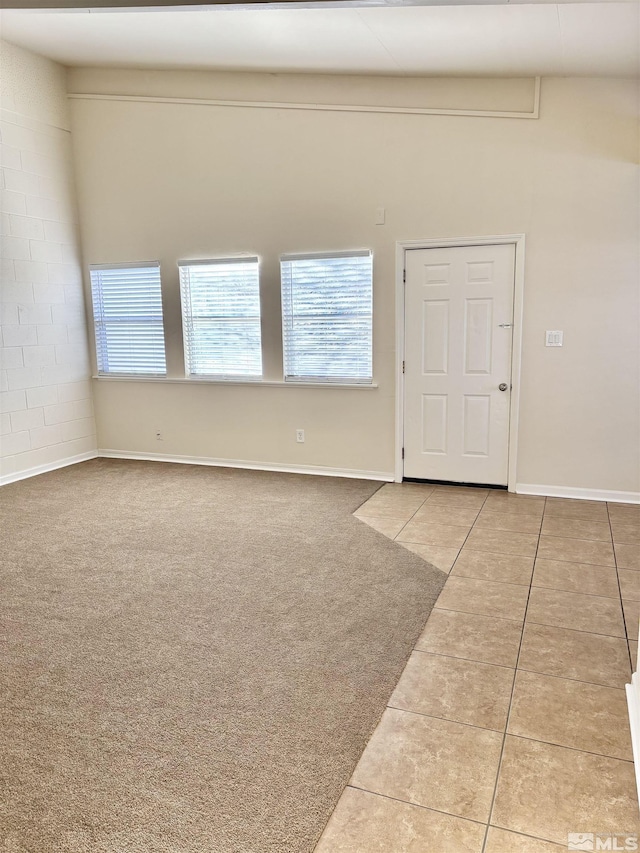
(193, 658)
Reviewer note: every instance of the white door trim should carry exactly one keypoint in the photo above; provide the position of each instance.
(518, 240)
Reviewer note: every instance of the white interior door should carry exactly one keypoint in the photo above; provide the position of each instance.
(458, 338)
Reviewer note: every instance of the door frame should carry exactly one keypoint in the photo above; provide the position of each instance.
(402, 246)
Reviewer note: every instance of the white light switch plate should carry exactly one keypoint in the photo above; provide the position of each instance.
(553, 339)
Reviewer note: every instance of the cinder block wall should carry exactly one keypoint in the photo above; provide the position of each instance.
(46, 412)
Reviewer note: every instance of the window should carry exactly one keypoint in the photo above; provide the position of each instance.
(327, 317)
(127, 312)
(221, 317)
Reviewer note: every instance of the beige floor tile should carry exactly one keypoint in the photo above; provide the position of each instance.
(472, 637)
(631, 617)
(441, 558)
(575, 528)
(383, 505)
(432, 533)
(494, 567)
(503, 542)
(435, 763)
(501, 841)
(384, 510)
(633, 653)
(629, 584)
(393, 489)
(511, 504)
(576, 577)
(458, 515)
(487, 598)
(548, 791)
(461, 490)
(368, 823)
(389, 526)
(572, 610)
(626, 534)
(452, 689)
(516, 523)
(628, 557)
(576, 550)
(468, 500)
(570, 508)
(575, 654)
(571, 713)
(626, 513)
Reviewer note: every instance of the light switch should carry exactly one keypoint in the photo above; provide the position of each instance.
(380, 213)
(553, 339)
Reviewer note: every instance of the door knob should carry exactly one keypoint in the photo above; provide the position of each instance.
(502, 386)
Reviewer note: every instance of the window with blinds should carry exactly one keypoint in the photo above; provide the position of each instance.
(221, 317)
(327, 313)
(127, 313)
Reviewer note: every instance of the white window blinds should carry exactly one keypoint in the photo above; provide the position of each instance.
(221, 317)
(127, 312)
(327, 317)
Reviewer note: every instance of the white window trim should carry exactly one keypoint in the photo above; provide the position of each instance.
(126, 266)
(217, 377)
(326, 380)
(251, 383)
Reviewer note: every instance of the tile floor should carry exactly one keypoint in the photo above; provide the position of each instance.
(508, 728)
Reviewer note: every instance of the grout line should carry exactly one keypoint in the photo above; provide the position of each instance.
(624, 617)
(411, 517)
(568, 678)
(523, 668)
(564, 678)
(566, 628)
(469, 660)
(576, 592)
(474, 613)
(505, 731)
(417, 805)
(526, 835)
(448, 720)
(493, 580)
(502, 554)
(513, 686)
(564, 746)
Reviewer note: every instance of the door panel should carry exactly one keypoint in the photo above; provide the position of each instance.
(458, 337)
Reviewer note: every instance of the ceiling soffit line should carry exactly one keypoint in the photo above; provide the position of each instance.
(534, 113)
(186, 5)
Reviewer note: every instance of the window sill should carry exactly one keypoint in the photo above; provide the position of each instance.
(259, 383)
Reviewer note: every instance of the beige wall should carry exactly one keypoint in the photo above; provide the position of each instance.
(46, 416)
(170, 181)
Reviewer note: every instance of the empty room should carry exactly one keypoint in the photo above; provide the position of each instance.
(319, 427)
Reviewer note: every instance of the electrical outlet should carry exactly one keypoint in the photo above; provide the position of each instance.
(159, 436)
(300, 436)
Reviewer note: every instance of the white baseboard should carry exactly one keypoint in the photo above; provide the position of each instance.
(633, 704)
(352, 473)
(5, 479)
(579, 494)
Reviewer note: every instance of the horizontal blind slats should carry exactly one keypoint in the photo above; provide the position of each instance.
(127, 311)
(327, 317)
(221, 318)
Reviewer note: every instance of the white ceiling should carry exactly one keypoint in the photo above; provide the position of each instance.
(601, 38)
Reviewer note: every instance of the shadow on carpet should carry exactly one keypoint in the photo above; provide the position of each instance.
(194, 658)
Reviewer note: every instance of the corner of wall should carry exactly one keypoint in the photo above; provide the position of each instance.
(46, 407)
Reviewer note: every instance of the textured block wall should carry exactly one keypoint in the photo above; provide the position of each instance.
(46, 413)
